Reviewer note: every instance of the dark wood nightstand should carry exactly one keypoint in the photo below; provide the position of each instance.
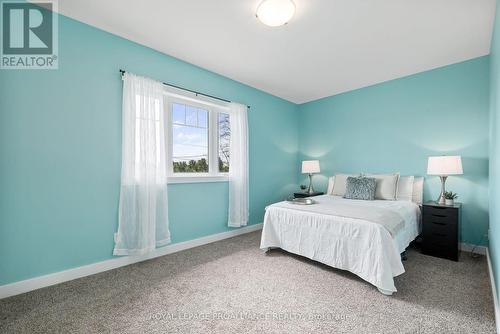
(441, 230)
(303, 195)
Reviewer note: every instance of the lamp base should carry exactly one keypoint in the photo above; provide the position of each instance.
(441, 200)
(310, 190)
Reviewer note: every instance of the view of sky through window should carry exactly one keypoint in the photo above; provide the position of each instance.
(189, 138)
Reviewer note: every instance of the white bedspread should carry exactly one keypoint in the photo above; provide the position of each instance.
(358, 244)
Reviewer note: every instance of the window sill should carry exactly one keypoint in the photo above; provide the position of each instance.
(196, 179)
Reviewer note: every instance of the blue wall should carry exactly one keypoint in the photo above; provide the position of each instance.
(396, 125)
(60, 148)
(494, 247)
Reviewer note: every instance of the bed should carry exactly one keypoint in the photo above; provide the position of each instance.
(363, 237)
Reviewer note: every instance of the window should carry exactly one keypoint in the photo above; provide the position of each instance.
(189, 139)
(199, 137)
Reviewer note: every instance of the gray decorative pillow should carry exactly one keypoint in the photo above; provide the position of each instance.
(360, 188)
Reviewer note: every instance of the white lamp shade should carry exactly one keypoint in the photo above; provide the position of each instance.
(310, 166)
(445, 165)
(275, 13)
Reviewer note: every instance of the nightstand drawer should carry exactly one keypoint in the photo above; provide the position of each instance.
(439, 220)
(440, 211)
(437, 226)
(439, 230)
(443, 238)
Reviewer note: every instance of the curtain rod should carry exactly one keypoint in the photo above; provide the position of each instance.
(122, 72)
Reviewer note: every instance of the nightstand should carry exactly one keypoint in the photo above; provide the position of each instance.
(303, 195)
(441, 230)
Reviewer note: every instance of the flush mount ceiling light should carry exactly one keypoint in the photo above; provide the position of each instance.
(275, 13)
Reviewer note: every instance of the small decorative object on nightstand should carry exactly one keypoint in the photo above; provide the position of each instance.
(303, 195)
(441, 230)
(450, 197)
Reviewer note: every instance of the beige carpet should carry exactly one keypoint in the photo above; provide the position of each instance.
(232, 287)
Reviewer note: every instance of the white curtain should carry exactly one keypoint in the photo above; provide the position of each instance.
(238, 166)
(143, 211)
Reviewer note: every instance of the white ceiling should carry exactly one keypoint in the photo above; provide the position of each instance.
(329, 47)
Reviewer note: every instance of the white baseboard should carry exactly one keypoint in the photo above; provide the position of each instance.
(493, 291)
(16, 288)
(478, 249)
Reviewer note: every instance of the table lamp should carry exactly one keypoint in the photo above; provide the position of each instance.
(443, 166)
(310, 167)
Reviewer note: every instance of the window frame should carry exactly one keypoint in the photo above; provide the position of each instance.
(172, 96)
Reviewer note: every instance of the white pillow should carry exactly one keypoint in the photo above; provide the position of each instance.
(418, 189)
(405, 188)
(387, 185)
(339, 183)
(331, 181)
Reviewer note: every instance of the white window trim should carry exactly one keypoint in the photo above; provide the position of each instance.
(196, 179)
(213, 108)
